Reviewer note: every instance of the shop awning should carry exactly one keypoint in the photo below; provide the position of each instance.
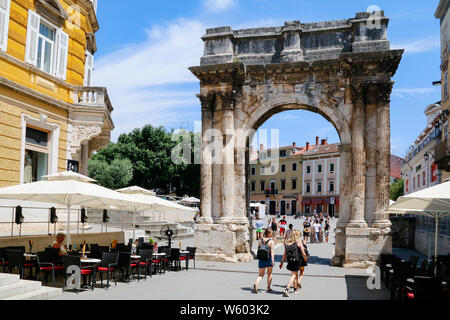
(306, 201)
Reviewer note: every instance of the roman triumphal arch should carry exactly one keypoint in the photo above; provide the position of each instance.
(340, 69)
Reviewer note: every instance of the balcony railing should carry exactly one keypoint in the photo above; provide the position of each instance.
(270, 191)
(92, 97)
(442, 155)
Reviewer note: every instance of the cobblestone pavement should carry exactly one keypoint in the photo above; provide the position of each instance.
(225, 281)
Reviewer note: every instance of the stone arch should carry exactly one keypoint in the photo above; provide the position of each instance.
(246, 76)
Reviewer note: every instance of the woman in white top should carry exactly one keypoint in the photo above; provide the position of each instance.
(58, 243)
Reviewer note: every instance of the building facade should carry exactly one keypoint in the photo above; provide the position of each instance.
(421, 171)
(51, 118)
(442, 149)
(320, 181)
(275, 179)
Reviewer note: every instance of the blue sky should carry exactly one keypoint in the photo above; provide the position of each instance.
(145, 50)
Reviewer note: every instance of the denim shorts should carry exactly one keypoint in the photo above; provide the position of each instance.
(265, 264)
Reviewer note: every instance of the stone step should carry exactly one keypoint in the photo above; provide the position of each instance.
(7, 279)
(44, 293)
(19, 288)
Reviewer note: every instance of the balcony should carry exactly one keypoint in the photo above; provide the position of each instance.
(268, 192)
(94, 97)
(442, 155)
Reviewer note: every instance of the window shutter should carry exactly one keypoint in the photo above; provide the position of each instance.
(62, 54)
(4, 23)
(88, 69)
(32, 38)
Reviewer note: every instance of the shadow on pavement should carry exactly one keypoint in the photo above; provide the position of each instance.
(262, 290)
(318, 260)
(357, 289)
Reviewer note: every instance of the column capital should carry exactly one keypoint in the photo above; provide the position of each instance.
(384, 91)
(358, 91)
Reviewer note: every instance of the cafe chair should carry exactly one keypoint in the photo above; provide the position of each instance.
(126, 267)
(175, 259)
(85, 271)
(424, 288)
(166, 260)
(192, 251)
(146, 261)
(108, 266)
(16, 260)
(385, 259)
(399, 280)
(45, 265)
(3, 259)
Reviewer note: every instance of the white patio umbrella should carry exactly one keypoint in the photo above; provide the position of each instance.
(68, 189)
(433, 202)
(145, 199)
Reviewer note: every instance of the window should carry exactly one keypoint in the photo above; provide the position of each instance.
(253, 171)
(283, 184)
(283, 168)
(445, 85)
(36, 155)
(272, 169)
(253, 186)
(262, 185)
(319, 187)
(319, 168)
(418, 181)
(263, 170)
(424, 179)
(308, 169)
(414, 185)
(294, 184)
(319, 208)
(331, 189)
(46, 46)
(294, 166)
(283, 153)
(88, 69)
(331, 167)
(308, 188)
(4, 23)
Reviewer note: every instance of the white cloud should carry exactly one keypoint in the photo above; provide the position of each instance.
(417, 46)
(415, 92)
(150, 82)
(218, 5)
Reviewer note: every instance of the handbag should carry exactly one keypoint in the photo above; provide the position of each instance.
(307, 230)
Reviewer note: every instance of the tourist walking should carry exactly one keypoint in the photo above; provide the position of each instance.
(303, 263)
(259, 227)
(289, 231)
(283, 224)
(266, 257)
(273, 225)
(317, 229)
(327, 230)
(293, 253)
(306, 229)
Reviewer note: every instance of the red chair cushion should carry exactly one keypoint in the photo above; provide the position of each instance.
(145, 263)
(6, 262)
(85, 272)
(60, 268)
(105, 269)
(182, 258)
(156, 261)
(410, 295)
(165, 260)
(45, 268)
(133, 265)
(29, 265)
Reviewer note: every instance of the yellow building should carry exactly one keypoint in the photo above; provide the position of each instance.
(51, 119)
(276, 179)
(442, 150)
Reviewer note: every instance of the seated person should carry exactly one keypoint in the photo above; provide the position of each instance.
(58, 243)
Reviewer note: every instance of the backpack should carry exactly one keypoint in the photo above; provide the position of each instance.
(264, 251)
(292, 253)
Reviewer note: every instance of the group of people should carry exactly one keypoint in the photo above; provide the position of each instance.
(295, 254)
(277, 227)
(316, 228)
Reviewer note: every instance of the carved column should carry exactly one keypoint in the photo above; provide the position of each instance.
(358, 157)
(206, 167)
(383, 153)
(228, 177)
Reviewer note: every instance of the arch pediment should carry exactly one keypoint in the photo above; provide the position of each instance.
(52, 10)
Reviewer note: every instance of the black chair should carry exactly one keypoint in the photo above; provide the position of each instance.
(192, 251)
(16, 260)
(431, 269)
(425, 288)
(175, 259)
(53, 255)
(399, 280)
(146, 261)
(97, 251)
(45, 264)
(147, 246)
(389, 270)
(166, 259)
(413, 261)
(85, 271)
(126, 267)
(3, 259)
(109, 265)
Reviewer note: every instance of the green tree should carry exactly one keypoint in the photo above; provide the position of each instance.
(114, 175)
(149, 150)
(396, 189)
